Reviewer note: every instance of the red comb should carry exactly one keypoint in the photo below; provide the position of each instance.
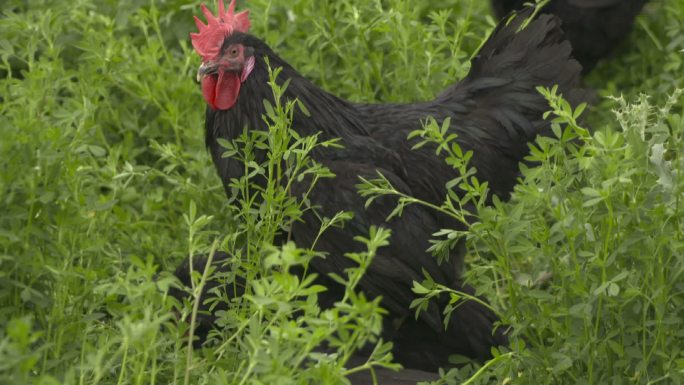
(208, 41)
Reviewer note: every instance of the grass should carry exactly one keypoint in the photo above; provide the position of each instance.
(105, 185)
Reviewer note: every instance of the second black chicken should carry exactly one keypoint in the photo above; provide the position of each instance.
(593, 27)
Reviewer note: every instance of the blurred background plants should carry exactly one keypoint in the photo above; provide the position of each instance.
(105, 182)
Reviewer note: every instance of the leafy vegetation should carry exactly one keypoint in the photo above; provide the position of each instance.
(106, 186)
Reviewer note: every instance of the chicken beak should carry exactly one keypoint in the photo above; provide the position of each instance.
(201, 71)
(205, 69)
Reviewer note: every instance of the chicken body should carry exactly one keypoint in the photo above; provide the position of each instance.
(496, 110)
(593, 27)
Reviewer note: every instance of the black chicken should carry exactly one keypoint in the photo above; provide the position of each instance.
(495, 111)
(593, 27)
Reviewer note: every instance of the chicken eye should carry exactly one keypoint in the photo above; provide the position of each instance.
(233, 52)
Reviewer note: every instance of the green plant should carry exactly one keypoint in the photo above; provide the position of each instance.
(105, 182)
(587, 255)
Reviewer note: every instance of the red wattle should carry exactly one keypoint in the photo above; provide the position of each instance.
(221, 91)
(209, 89)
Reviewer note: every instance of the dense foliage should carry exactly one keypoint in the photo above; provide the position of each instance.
(105, 186)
